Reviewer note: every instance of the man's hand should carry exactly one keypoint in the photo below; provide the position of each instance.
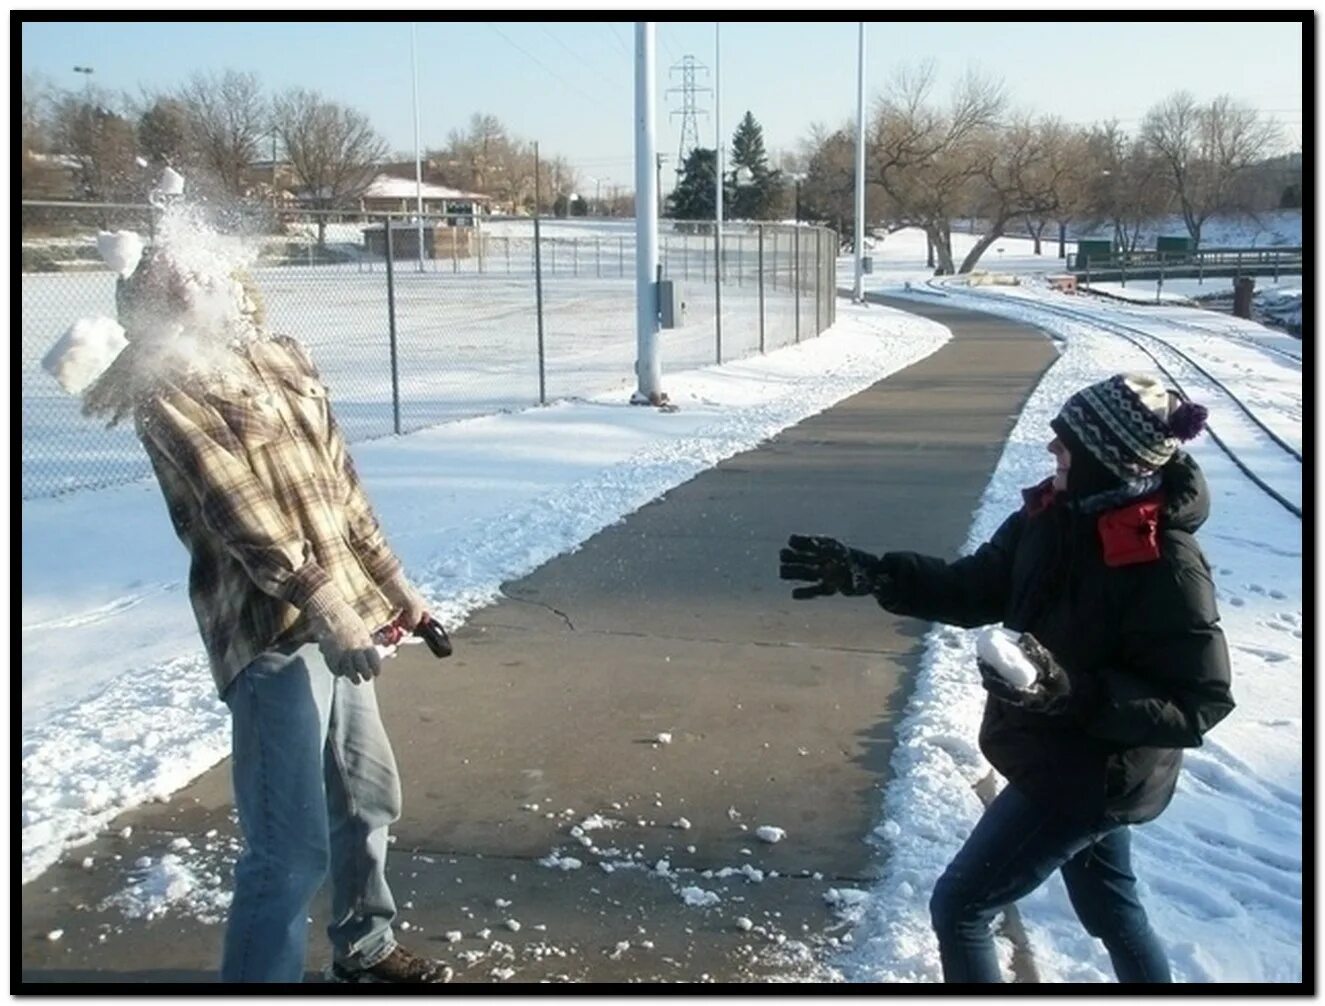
(344, 640)
(409, 601)
(1049, 693)
(830, 567)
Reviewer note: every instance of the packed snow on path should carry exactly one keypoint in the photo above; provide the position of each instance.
(118, 706)
(1221, 870)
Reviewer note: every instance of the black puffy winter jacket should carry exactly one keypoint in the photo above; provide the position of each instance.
(1125, 602)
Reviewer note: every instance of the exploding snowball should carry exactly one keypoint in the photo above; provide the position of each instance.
(84, 352)
(998, 648)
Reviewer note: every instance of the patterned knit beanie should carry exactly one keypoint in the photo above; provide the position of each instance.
(1131, 424)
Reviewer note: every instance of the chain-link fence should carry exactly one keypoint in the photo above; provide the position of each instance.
(460, 321)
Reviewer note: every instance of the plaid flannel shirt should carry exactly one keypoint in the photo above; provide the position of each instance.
(262, 492)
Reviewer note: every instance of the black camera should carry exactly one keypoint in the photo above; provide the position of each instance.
(435, 636)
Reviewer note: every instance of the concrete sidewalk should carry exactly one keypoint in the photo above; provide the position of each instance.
(780, 713)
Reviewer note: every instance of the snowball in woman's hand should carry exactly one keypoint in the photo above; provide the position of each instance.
(121, 250)
(998, 648)
(84, 352)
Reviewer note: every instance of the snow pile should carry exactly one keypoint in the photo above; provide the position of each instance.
(998, 647)
(172, 885)
(84, 352)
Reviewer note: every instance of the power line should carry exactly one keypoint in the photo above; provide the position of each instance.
(616, 83)
(612, 28)
(535, 59)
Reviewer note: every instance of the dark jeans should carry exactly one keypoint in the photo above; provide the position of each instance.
(1014, 848)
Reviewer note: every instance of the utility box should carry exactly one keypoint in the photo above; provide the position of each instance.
(671, 308)
(1174, 248)
(1096, 253)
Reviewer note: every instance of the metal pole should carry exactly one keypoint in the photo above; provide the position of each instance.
(647, 366)
(538, 284)
(796, 259)
(717, 222)
(761, 288)
(418, 160)
(391, 325)
(818, 280)
(859, 292)
(598, 258)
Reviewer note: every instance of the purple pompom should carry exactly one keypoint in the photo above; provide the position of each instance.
(1188, 420)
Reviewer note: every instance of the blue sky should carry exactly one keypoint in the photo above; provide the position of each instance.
(570, 85)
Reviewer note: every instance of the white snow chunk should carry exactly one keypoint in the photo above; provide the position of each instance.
(121, 250)
(998, 648)
(682, 823)
(744, 924)
(664, 738)
(181, 843)
(889, 830)
(513, 925)
(83, 353)
(502, 903)
(88, 863)
(454, 936)
(768, 833)
(697, 897)
(54, 934)
(555, 861)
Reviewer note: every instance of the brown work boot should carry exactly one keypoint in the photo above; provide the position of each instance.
(400, 967)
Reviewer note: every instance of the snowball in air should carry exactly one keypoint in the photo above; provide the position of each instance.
(767, 833)
(998, 648)
(121, 250)
(84, 352)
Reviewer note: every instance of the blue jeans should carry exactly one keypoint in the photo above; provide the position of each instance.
(1014, 848)
(316, 788)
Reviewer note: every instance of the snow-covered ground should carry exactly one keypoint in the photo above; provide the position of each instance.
(117, 703)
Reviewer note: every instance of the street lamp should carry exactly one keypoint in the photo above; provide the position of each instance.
(87, 72)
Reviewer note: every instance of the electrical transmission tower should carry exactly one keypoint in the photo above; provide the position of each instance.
(688, 110)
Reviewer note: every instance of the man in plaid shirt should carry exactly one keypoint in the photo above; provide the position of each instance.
(290, 577)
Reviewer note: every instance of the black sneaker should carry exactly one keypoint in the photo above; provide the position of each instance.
(400, 967)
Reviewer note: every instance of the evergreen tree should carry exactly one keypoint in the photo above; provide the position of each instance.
(694, 198)
(759, 199)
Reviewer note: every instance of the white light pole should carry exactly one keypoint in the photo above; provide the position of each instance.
(647, 367)
(717, 222)
(858, 295)
(418, 160)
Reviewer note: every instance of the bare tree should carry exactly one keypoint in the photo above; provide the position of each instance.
(163, 131)
(926, 158)
(828, 192)
(1025, 171)
(228, 116)
(1205, 150)
(1125, 185)
(333, 150)
(102, 142)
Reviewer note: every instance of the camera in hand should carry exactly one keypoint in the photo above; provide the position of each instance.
(432, 633)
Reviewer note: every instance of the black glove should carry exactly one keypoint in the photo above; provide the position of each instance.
(1049, 693)
(831, 567)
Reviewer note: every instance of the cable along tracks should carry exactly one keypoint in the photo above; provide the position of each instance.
(1277, 467)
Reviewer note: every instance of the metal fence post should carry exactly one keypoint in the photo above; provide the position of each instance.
(761, 288)
(391, 326)
(818, 280)
(796, 254)
(717, 290)
(575, 255)
(598, 258)
(775, 259)
(621, 257)
(538, 297)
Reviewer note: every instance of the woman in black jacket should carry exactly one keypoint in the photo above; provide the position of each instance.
(1101, 575)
